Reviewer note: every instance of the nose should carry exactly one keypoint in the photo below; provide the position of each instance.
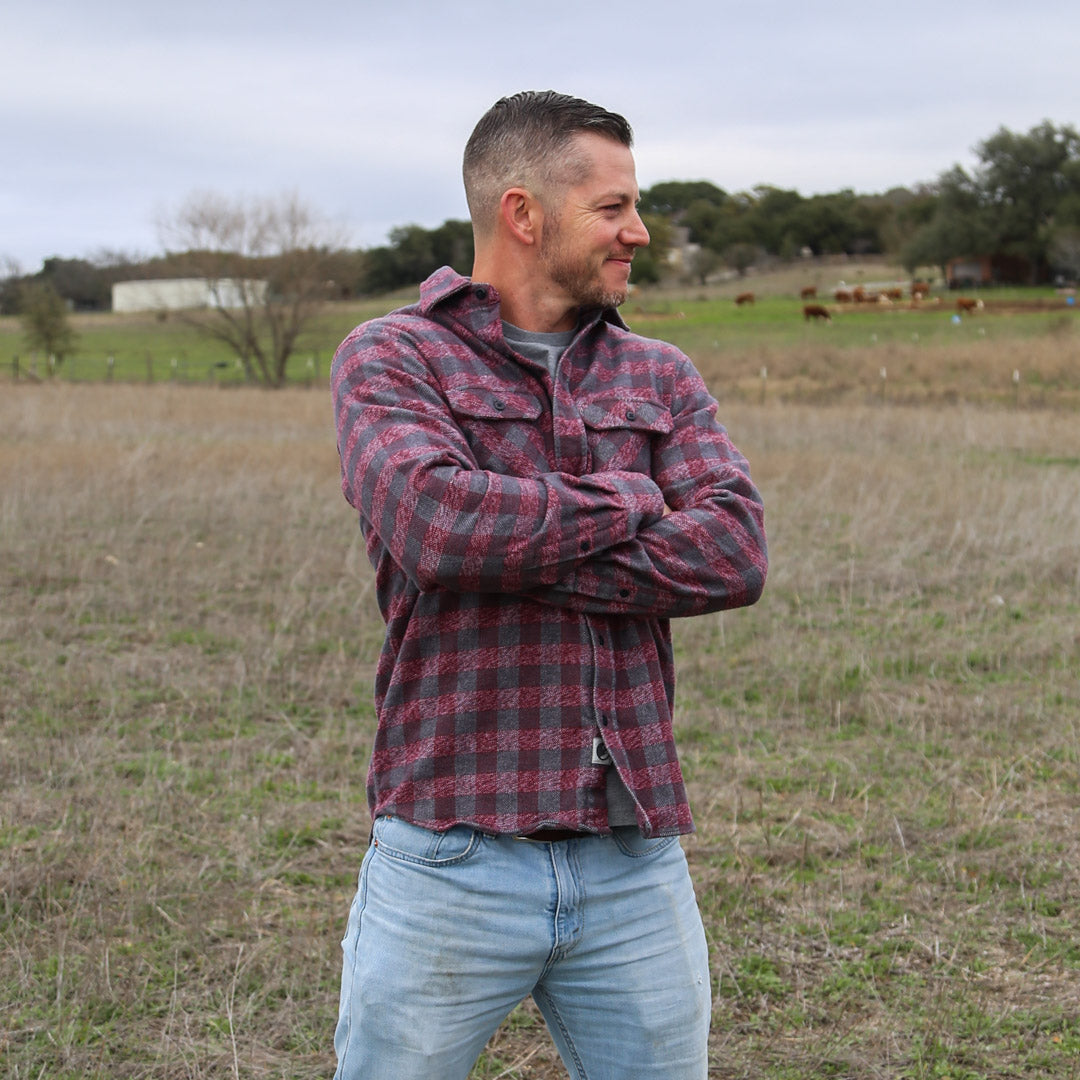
(635, 234)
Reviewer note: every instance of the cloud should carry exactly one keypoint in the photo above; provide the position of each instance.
(364, 109)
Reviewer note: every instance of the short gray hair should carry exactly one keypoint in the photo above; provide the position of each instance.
(523, 141)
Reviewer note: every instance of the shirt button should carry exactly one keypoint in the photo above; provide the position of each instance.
(631, 415)
(499, 404)
(624, 593)
(480, 292)
(585, 545)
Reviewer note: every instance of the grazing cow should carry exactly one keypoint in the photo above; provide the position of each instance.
(894, 294)
(816, 311)
(858, 294)
(808, 292)
(965, 305)
(744, 298)
(920, 290)
(842, 296)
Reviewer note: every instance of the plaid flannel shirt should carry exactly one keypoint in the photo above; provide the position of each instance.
(531, 538)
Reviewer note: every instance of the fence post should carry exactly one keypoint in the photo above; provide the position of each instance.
(15, 368)
(764, 381)
(110, 363)
(149, 367)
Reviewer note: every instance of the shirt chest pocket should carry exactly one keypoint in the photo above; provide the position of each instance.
(502, 429)
(620, 429)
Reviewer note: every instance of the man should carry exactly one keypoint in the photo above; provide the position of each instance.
(540, 490)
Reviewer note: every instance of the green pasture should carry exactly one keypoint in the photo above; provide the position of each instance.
(149, 348)
(777, 321)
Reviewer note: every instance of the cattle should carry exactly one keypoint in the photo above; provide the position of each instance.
(920, 290)
(744, 298)
(816, 311)
(842, 296)
(965, 305)
(808, 292)
(858, 294)
(894, 294)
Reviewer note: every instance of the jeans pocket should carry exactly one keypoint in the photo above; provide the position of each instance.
(399, 839)
(631, 843)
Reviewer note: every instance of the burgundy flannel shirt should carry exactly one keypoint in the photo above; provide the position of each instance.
(526, 566)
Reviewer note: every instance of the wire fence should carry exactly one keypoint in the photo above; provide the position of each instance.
(310, 370)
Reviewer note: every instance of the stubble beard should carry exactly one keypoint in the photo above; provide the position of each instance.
(575, 276)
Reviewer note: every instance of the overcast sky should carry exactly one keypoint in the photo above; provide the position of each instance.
(113, 113)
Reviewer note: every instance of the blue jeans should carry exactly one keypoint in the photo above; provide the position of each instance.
(450, 931)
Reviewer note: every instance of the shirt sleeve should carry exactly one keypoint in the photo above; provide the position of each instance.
(408, 470)
(708, 554)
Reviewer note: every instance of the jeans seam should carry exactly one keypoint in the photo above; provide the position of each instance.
(361, 904)
(564, 1031)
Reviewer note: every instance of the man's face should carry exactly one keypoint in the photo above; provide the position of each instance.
(588, 242)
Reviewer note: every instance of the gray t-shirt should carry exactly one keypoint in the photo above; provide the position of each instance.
(543, 348)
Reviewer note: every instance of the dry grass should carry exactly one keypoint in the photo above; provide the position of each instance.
(883, 753)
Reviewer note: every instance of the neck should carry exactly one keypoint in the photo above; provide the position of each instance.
(522, 302)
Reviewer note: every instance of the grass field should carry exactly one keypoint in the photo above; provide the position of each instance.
(882, 754)
(1022, 347)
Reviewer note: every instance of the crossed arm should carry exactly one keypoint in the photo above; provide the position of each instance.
(685, 540)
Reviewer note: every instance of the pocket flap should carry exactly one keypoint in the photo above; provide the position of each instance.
(639, 414)
(483, 403)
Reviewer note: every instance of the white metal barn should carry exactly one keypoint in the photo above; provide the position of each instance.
(177, 294)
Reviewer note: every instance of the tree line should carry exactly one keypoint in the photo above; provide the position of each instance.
(1020, 204)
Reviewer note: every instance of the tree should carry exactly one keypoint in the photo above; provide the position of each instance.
(415, 252)
(83, 285)
(269, 266)
(772, 219)
(703, 262)
(45, 320)
(912, 210)
(740, 257)
(10, 285)
(673, 197)
(1024, 191)
(730, 224)
(959, 226)
(1023, 180)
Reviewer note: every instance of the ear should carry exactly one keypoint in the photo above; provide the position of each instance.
(522, 214)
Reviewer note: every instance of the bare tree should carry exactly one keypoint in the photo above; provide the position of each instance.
(266, 263)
